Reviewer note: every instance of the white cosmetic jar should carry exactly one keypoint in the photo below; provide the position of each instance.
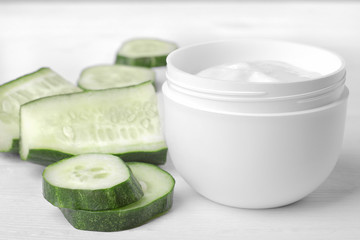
(254, 145)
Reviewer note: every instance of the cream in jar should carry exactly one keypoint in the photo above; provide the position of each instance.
(259, 71)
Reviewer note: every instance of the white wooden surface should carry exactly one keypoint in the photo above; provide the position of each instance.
(70, 36)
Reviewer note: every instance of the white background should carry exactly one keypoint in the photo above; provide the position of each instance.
(71, 36)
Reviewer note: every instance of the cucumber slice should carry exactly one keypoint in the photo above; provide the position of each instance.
(145, 52)
(41, 83)
(90, 182)
(114, 76)
(120, 121)
(158, 187)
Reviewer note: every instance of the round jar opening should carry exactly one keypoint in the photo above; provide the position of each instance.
(184, 64)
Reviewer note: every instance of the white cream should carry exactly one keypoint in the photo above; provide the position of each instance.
(258, 71)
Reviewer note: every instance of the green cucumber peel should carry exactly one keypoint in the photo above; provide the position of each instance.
(46, 157)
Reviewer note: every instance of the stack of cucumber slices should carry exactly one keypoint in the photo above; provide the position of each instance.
(99, 140)
(99, 192)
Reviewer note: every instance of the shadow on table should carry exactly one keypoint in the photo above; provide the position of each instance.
(10, 157)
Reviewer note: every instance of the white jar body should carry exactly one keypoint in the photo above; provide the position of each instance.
(254, 160)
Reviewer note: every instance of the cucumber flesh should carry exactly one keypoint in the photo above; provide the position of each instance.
(90, 182)
(119, 121)
(158, 187)
(144, 52)
(41, 83)
(114, 76)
